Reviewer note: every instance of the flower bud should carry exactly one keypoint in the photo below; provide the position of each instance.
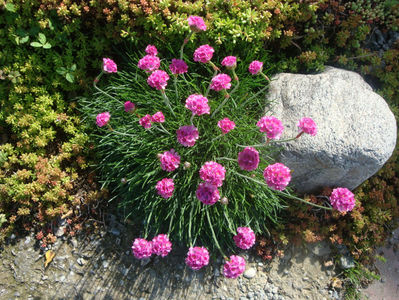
(224, 201)
(186, 165)
(123, 180)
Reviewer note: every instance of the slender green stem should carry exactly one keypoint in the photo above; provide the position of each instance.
(220, 106)
(167, 102)
(216, 138)
(160, 124)
(228, 221)
(184, 43)
(270, 142)
(213, 233)
(235, 77)
(97, 79)
(192, 118)
(286, 195)
(235, 87)
(225, 158)
(175, 83)
(264, 75)
(209, 86)
(256, 95)
(189, 226)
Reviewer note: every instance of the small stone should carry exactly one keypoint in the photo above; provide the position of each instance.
(12, 237)
(81, 261)
(250, 273)
(16, 294)
(115, 231)
(105, 264)
(346, 262)
(74, 243)
(60, 231)
(250, 295)
(216, 272)
(13, 252)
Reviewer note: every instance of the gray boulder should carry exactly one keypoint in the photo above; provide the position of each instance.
(356, 129)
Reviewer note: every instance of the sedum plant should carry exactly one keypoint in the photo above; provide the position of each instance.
(188, 153)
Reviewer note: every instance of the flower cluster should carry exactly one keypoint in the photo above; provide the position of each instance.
(187, 135)
(146, 121)
(203, 54)
(149, 63)
(197, 257)
(307, 125)
(102, 119)
(213, 173)
(198, 104)
(170, 160)
(226, 125)
(165, 187)
(160, 245)
(234, 267)
(109, 65)
(158, 117)
(142, 248)
(196, 23)
(245, 238)
(207, 193)
(255, 67)
(221, 82)
(277, 176)
(151, 50)
(129, 106)
(342, 199)
(158, 80)
(272, 126)
(248, 159)
(178, 66)
(230, 62)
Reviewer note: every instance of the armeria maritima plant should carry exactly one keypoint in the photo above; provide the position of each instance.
(181, 132)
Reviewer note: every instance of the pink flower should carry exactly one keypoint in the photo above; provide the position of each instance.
(151, 50)
(170, 160)
(213, 173)
(207, 193)
(187, 135)
(198, 104)
(109, 65)
(220, 82)
(197, 257)
(158, 79)
(145, 121)
(102, 119)
(255, 67)
(342, 199)
(161, 245)
(196, 23)
(308, 126)
(178, 66)
(158, 117)
(149, 63)
(142, 248)
(229, 62)
(248, 159)
(277, 176)
(226, 125)
(245, 238)
(234, 267)
(165, 187)
(272, 126)
(203, 53)
(129, 106)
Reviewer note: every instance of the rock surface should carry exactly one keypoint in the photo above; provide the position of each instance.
(356, 129)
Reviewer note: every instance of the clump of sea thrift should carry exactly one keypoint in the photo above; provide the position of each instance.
(307, 125)
(103, 118)
(272, 126)
(109, 65)
(158, 80)
(342, 199)
(277, 176)
(142, 248)
(245, 238)
(187, 135)
(170, 160)
(221, 82)
(165, 187)
(161, 245)
(248, 159)
(197, 257)
(234, 267)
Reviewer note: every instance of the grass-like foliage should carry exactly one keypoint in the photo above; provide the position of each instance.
(128, 154)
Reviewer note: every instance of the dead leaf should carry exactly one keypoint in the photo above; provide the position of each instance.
(328, 263)
(336, 283)
(50, 254)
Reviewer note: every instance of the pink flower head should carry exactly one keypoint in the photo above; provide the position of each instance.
(234, 267)
(342, 199)
(230, 62)
(158, 79)
(187, 135)
(109, 65)
(197, 257)
(213, 173)
(158, 117)
(161, 245)
(170, 160)
(245, 238)
(255, 67)
(272, 126)
(165, 188)
(307, 125)
(129, 106)
(207, 193)
(226, 125)
(149, 63)
(142, 248)
(178, 66)
(146, 121)
(220, 82)
(151, 50)
(203, 53)
(198, 104)
(277, 176)
(248, 159)
(103, 118)
(196, 23)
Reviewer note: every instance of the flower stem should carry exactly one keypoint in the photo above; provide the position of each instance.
(209, 86)
(264, 75)
(160, 124)
(213, 233)
(167, 102)
(225, 158)
(175, 83)
(184, 43)
(286, 195)
(97, 79)
(254, 96)
(220, 106)
(192, 118)
(268, 142)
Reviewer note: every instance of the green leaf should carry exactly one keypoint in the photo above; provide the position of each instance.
(24, 39)
(17, 40)
(50, 24)
(73, 67)
(47, 46)
(36, 44)
(70, 77)
(42, 38)
(61, 71)
(10, 7)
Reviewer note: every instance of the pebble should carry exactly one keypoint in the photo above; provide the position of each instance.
(250, 273)
(81, 261)
(17, 294)
(105, 264)
(74, 243)
(116, 231)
